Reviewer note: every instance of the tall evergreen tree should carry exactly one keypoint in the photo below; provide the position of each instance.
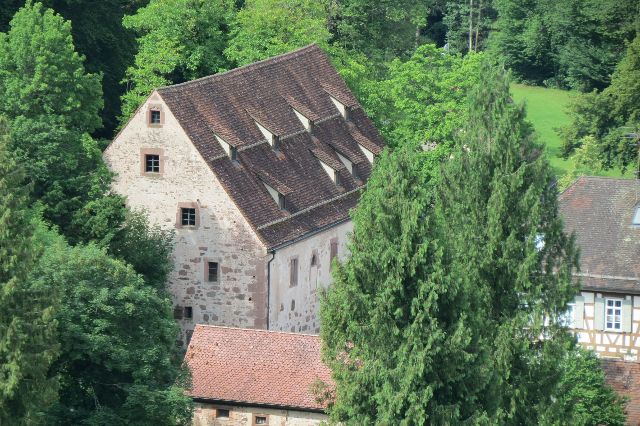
(52, 105)
(448, 308)
(27, 329)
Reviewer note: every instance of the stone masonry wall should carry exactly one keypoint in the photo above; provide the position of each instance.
(221, 234)
(296, 308)
(206, 415)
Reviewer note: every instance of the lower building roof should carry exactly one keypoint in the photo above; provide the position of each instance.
(256, 367)
(624, 378)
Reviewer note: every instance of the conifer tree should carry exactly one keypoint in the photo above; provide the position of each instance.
(27, 330)
(448, 308)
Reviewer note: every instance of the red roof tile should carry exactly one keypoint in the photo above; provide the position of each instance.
(256, 366)
(624, 378)
(228, 105)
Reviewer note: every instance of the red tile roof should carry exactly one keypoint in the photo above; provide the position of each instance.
(256, 367)
(600, 212)
(624, 378)
(227, 104)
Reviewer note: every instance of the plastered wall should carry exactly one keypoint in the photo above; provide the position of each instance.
(222, 234)
(205, 415)
(295, 308)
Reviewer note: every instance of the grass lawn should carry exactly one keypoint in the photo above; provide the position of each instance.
(546, 109)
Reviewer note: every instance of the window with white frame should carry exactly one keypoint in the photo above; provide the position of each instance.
(613, 317)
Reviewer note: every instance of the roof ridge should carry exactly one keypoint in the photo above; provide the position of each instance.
(243, 68)
(258, 329)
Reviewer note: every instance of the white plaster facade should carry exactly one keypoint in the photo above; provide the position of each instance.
(206, 415)
(221, 234)
(593, 334)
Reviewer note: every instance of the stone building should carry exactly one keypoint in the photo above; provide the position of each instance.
(257, 377)
(256, 169)
(604, 214)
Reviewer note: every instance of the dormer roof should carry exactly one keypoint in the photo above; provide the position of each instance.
(269, 92)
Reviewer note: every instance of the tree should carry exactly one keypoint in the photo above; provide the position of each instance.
(178, 40)
(584, 398)
(612, 116)
(449, 307)
(265, 28)
(468, 23)
(119, 363)
(52, 105)
(27, 328)
(423, 100)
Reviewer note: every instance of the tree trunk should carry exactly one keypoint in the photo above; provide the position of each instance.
(475, 47)
(470, 25)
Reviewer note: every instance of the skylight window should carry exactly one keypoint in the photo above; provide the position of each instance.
(304, 120)
(341, 107)
(636, 217)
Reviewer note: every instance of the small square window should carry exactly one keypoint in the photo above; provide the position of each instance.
(293, 272)
(152, 163)
(188, 216)
(212, 272)
(222, 413)
(260, 420)
(188, 312)
(154, 118)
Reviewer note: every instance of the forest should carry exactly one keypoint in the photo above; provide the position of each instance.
(450, 223)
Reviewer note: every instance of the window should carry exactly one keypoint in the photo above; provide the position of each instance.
(154, 117)
(222, 413)
(282, 203)
(234, 153)
(613, 318)
(212, 273)
(293, 272)
(275, 142)
(152, 163)
(568, 319)
(636, 217)
(188, 312)
(260, 420)
(314, 260)
(336, 178)
(188, 216)
(333, 250)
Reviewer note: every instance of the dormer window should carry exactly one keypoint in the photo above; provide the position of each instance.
(366, 153)
(231, 151)
(273, 140)
(347, 163)
(277, 196)
(341, 107)
(333, 173)
(304, 120)
(636, 217)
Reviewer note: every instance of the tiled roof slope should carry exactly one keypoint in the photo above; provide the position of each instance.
(624, 378)
(267, 92)
(600, 212)
(256, 367)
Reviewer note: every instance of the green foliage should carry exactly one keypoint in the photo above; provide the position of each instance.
(119, 362)
(178, 40)
(584, 398)
(468, 24)
(265, 28)
(570, 43)
(423, 99)
(586, 160)
(437, 314)
(52, 105)
(612, 116)
(27, 327)
(382, 30)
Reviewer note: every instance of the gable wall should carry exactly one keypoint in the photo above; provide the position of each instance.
(223, 235)
(610, 344)
(205, 415)
(296, 308)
